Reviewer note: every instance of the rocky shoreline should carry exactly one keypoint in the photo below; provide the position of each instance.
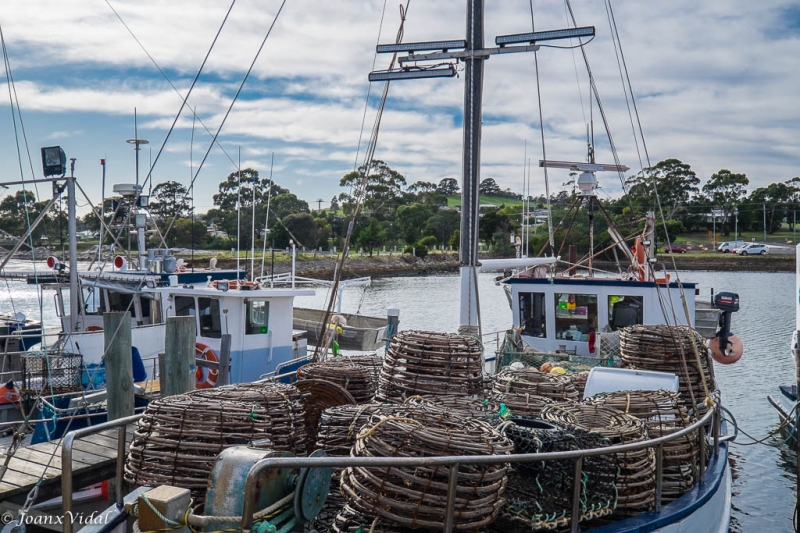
(406, 265)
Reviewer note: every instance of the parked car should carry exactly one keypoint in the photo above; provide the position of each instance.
(730, 246)
(675, 249)
(753, 248)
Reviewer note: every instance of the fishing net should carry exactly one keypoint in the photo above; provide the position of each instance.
(540, 492)
(670, 349)
(430, 363)
(416, 497)
(662, 415)
(532, 382)
(636, 481)
(283, 405)
(349, 520)
(354, 378)
(178, 439)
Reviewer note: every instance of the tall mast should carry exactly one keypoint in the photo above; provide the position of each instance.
(473, 53)
(471, 171)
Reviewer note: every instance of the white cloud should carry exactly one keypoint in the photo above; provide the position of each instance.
(715, 87)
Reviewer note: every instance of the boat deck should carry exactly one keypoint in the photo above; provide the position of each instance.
(94, 460)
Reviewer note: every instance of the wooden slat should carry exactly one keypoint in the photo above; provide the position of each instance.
(39, 457)
(32, 469)
(19, 478)
(77, 455)
(100, 451)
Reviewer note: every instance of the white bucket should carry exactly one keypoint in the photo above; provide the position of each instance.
(173, 281)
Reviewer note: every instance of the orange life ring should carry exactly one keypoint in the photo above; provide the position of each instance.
(205, 378)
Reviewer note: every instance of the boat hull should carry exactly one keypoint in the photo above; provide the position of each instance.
(361, 333)
(705, 508)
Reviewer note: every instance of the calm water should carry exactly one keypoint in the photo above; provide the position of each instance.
(764, 481)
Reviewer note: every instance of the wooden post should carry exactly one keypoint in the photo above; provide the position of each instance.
(179, 355)
(224, 360)
(119, 364)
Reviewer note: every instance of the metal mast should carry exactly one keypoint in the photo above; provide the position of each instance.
(472, 52)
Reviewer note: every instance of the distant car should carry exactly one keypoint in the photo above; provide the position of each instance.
(675, 249)
(730, 246)
(753, 248)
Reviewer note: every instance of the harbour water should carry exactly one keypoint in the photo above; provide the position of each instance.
(764, 478)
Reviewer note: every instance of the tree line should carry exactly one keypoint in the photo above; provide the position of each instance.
(396, 214)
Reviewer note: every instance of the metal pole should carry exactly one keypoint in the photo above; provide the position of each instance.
(452, 486)
(102, 210)
(294, 258)
(764, 206)
(576, 495)
(470, 199)
(74, 295)
(659, 474)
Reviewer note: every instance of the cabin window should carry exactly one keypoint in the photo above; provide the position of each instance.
(184, 306)
(532, 314)
(210, 323)
(92, 300)
(625, 311)
(120, 301)
(576, 316)
(257, 317)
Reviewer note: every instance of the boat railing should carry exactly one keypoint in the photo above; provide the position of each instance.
(712, 417)
(66, 462)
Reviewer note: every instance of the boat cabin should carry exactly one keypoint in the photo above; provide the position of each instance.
(560, 314)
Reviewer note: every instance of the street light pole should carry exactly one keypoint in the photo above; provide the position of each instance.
(736, 230)
(764, 207)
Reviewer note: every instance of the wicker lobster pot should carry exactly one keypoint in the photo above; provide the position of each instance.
(522, 405)
(349, 520)
(284, 408)
(416, 497)
(373, 363)
(356, 379)
(430, 363)
(636, 481)
(532, 382)
(540, 492)
(339, 426)
(671, 349)
(476, 406)
(661, 414)
(178, 439)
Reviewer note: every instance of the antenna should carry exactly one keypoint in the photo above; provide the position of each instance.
(319, 203)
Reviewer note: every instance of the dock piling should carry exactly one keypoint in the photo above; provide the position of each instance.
(179, 356)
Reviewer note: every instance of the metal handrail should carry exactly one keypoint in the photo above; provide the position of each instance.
(258, 469)
(66, 461)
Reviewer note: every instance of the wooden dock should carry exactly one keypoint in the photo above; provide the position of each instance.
(93, 460)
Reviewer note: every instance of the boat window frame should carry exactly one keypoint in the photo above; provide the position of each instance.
(525, 322)
(590, 318)
(610, 310)
(263, 328)
(209, 332)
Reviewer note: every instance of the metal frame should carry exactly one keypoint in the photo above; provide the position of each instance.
(66, 462)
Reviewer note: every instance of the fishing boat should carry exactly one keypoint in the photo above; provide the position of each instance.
(786, 403)
(358, 332)
(297, 486)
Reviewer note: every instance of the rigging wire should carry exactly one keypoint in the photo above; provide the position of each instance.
(544, 151)
(164, 75)
(360, 191)
(233, 101)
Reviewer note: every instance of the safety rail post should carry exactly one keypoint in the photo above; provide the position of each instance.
(701, 433)
(576, 496)
(66, 460)
(452, 487)
(717, 428)
(659, 474)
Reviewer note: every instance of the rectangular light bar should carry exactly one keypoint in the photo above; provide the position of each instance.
(421, 47)
(448, 72)
(586, 31)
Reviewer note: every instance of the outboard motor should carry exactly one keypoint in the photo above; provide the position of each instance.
(726, 348)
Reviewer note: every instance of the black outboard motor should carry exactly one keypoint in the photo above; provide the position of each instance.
(727, 348)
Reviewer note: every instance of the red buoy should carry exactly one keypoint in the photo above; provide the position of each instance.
(734, 350)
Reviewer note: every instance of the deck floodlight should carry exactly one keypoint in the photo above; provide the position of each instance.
(54, 161)
(422, 47)
(534, 36)
(411, 74)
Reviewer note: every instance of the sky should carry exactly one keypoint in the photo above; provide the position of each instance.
(715, 85)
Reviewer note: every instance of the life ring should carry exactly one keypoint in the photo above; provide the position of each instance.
(735, 350)
(205, 378)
